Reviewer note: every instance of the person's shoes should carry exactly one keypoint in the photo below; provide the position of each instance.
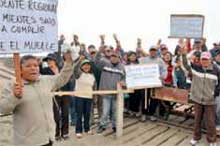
(65, 137)
(79, 135)
(114, 129)
(193, 142)
(143, 118)
(218, 128)
(100, 129)
(153, 118)
(89, 132)
(131, 113)
(138, 114)
(58, 138)
(213, 144)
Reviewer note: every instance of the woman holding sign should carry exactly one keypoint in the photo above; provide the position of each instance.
(31, 102)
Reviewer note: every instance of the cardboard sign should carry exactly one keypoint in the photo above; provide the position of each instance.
(172, 94)
(186, 26)
(142, 76)
(28, 26)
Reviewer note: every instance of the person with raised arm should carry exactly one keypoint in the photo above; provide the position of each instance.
(31, 102)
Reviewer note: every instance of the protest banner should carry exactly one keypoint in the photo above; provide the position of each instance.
(142, 76)
(28, 26)
(186, 26)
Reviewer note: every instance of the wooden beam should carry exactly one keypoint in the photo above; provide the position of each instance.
(119, 111)
(99, 92)
(17, 67)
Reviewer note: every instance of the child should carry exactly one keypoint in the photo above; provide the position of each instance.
(85, 81)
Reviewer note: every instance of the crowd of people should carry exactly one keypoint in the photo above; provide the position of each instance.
(192, 67)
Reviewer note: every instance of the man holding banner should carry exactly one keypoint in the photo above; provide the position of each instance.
(31, 102)
(153, 59)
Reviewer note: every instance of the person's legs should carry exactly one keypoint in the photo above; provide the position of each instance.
(79, 113)
(86, 113)
(113, 105)
(217, 101)
(57, 117)
(65, 116)
(72, 110)
(105, 113)
(153, 106)
(99, 105)
(197, 121)
(210, 122)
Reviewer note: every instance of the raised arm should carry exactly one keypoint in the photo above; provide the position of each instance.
(61, 79)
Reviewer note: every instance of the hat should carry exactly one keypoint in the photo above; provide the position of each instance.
(163, 46)
(153, 48)
(85, 61)
(206, 55)
(50, 56)
(115, 54)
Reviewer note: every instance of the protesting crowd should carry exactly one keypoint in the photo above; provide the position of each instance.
(40, 118)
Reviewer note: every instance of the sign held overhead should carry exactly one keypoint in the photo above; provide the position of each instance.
(186, 26)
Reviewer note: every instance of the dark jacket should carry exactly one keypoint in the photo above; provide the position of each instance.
(111, 74)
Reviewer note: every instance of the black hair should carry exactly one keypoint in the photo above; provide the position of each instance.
(171, 57)
(91, 46)
(26, 58)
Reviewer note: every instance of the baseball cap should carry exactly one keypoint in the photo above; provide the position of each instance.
(206, 55)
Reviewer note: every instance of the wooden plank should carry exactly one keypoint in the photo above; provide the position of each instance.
(130, 136)
(148, 135)
(17, 66)
(99, 92)
(172, 94)
(119, 111)
(162, 138)
(176, 139)
(127, 122)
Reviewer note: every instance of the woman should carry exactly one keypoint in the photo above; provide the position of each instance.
(169, 81)
(85, 81)
(60, 104)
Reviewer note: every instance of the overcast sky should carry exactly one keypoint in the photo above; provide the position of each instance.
(147, 19)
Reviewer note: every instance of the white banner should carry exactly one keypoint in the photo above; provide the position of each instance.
(143, 76)
(186, 26)
(28, 26)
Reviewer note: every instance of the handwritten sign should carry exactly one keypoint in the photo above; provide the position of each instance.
(186, 26)
(143, 76)
(28, 26)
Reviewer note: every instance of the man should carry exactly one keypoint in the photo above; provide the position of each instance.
(153, 58)
(31, 102)
(204, 83)
(59, 52)
(217, 97)
(112, 73)
(216, 46)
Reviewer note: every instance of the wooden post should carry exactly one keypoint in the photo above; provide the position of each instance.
(145, 99)
(119, 111)
(17, 67)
